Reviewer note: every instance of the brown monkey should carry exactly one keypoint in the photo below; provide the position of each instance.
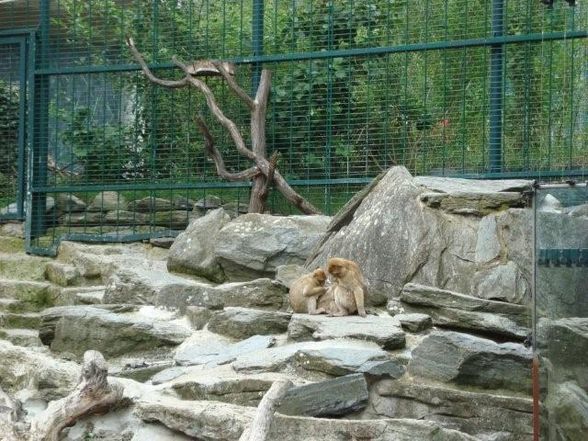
(348, 287)
(306, 290)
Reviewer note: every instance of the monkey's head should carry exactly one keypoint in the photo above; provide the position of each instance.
(337, 267)
(319, 275)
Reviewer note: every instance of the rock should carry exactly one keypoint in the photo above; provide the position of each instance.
(564, 342)
(83, 219)
(162, 242)
(330, 398)
(455, 310)
(124, 217)
(414, 322)
(108, 201)
(24, 368)
(182, 203)
(397, 238)
(254, 245)
(69, 203)
(34, 293)
(150, 204)
(385, 331)
(209, 349)
(168, 375)
(473, 203)
(502, 282)
(333, 357)
(223, 384)
(13, 229)
(578, 210)
(388, 368)
(209, 420)
(20, 266)
(79, 328)
(193, 250)
(244, 322)
(236, 208)
(62, 273)
(210, 202)
(143, 286)
(287, 274)
(475, 413)
(549, 203)
(472, 361)
(259, 293)
(174, 220)
(567, 408)
(198, 316)
(394, 307)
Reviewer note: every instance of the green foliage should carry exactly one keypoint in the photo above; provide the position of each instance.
(9, 121)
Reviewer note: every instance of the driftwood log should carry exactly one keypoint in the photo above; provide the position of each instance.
(262, 421)
(263, 173)
(93, 394)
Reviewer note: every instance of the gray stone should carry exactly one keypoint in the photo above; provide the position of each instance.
(149, 204)
(20, 266)
(254, 245)
(13, 229)
(487, 246)
(564, 342)
(205, 348)
(210, 202)
(162, 242)
(550, 203)
(578, 210)
(395, 307)
(168, 375)
(199, 316)
(241, 323)
(556, 230)
(472, 361)
(414, 322)
(174, 220)
(502, 282)
(455, 310)
(124, 217)
(193, 250)
(79, 328)
(287, 274)
(209, 421)
(473, 203)
(182, 203)
(108, 201)
(452, 185)
(69, 203)
(388, 368)
(86, 218)
(62, 273)
(475, 413)
(23, 368)
(385, 331)
(567, 408)
(330, 398)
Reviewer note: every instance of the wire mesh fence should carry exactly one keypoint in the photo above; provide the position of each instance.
(473, 88)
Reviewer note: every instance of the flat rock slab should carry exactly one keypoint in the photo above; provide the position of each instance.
(211, 421)
(206, 348)
(473, 203)
(245, 322)
(385, 331)
(475, 413)
(414, 322)
(79, 328)
(451, 309)
(472, 361)
(451, 185)
(337, 397)
(333, 357)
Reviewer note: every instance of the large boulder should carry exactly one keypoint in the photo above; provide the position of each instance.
(467, 360)
(76, 329)
(567, 408)
(254, 245)
(193, 250)
(442, 232)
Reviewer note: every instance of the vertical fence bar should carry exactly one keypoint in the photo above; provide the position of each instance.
(496, 89)
(38, 177)
(257, 42)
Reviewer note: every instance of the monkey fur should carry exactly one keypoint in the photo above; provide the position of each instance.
(305, 292)
(348, 287)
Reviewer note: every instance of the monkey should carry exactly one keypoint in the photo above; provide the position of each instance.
(305, 292)
(348, 287)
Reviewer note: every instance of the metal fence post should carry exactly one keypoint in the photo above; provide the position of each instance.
(40, 131)
(496, 89)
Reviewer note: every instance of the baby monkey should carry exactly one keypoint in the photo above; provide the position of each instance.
(305, 292)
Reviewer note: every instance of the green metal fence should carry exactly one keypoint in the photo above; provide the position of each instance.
(471, 88)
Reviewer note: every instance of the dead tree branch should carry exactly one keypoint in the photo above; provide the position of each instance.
(264, 172)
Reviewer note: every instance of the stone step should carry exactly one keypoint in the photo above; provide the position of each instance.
(21, 337)
(9, 244)
(12, 305)
(21, 266)
(25, 290)
(80, 295)
(28, 320)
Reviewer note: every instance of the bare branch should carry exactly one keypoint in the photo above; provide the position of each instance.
(233, 85)
(174, 84)
(263, 89)
(216, 156)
